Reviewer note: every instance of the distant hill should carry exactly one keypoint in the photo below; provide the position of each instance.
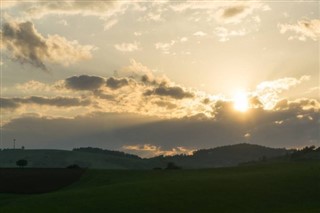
(63, 158)
(224, 156)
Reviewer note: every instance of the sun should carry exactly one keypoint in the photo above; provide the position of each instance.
(240, 101)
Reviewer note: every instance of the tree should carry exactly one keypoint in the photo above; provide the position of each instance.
(22, 163)
(172, 165)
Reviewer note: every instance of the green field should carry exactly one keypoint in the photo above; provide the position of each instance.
(278, 187)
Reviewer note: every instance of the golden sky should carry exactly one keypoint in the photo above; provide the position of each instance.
(159, 77)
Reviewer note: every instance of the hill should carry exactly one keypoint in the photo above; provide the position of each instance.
(105, 159)
(63, 158)
(225, 156)
(280, 187)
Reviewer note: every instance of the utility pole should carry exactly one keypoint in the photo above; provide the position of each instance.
(14, 143)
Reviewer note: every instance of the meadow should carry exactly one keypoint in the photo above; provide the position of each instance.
(265, 187)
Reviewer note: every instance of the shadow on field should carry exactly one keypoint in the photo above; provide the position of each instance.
(31, 180)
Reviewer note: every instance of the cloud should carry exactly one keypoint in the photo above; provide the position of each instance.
(32, 86)
(303, 29)
(173, 92)
(233, 11)
(27, 45)
(199, 34)
(224, 34)
(7, 103)
(291, 125)
(115, 83)
(183, 39)
(236, 12)
(169, 119)
(164, 47)
(268, 91)
(128, 47)
(165, 104)
(103, 9)
(148, 150)
(13, 103)
(109, 24)
(137, 71)
(8, 4)
(84, 82)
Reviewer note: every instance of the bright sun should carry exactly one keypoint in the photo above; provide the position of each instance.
(240, 101)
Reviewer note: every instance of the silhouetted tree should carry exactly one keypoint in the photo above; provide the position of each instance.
(171, 166)
(22, 163)
(73, 166)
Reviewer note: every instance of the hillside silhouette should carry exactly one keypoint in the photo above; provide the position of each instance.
(88, 157)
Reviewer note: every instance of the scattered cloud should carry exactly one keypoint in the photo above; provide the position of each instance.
(199, 34)
(164, 47)
(268, 91)
(105, 10)
(236, 12)
(32, 86)
(27, 45)
(183, 39)
(128, 47)
(110, 23)
(303, 29)
(148, 150)
(224, 34)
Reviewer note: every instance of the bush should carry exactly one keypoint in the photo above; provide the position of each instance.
(172, 166)
(22, 163)
(73, 166)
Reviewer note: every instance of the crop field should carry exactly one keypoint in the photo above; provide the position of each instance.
(271, 187)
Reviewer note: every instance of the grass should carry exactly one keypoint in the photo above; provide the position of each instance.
(277, 187)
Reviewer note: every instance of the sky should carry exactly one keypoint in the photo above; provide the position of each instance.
(159, 77)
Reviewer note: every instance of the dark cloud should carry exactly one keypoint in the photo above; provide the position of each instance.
(84, 82)
(94, 130)
(233, 11)
(26, 45)
(7, 103)
(56, 101)
(173, 92)
(288, 127)
(165, 104)
(116, 83)
(100, 94)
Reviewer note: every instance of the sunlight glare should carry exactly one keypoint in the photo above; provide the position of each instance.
(240, 101)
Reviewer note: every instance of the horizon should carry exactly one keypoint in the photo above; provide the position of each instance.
(157, 78)
(165, 155)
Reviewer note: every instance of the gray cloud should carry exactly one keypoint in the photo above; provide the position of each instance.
(7, 103)
(233, 11)
(116, 83)
(12, 103)
(84, 82)
(288, 127)
(26, 45)
(165, 104)
(173, 92)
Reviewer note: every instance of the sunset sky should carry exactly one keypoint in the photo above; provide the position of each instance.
(159, 77)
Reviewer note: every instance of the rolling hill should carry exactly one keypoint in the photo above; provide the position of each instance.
(105, 159)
